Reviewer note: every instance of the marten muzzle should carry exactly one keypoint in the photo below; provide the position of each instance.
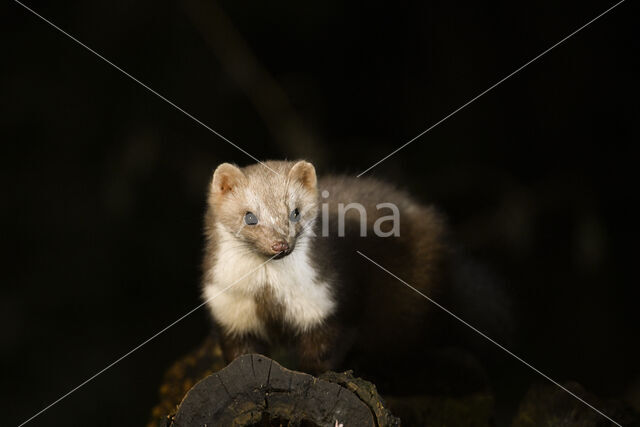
(281, 248)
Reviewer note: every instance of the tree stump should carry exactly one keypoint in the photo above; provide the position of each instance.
(254, 390)
(263, 393)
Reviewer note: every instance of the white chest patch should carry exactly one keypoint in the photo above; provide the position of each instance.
(305, 298)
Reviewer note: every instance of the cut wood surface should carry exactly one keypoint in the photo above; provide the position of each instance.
(255, 390)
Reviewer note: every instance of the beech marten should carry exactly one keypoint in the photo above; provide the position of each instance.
(283, 244)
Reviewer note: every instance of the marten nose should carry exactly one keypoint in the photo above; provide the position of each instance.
(280, 246)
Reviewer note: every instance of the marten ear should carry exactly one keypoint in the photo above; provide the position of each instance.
(226, 178)
(305, 173)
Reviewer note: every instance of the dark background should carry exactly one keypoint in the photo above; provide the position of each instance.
(104, 183)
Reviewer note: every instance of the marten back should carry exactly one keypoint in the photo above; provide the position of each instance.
(398, 329)
(391, 318)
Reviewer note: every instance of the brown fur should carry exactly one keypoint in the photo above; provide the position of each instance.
(269, 309)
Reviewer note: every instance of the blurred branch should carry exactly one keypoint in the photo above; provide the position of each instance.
(269, 99)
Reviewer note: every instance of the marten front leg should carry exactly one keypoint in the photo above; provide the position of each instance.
(317, 349)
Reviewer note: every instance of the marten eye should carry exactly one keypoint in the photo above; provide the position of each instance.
(250, 218)
(295, 215)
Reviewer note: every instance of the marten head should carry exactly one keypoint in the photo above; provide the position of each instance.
(266, 208)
